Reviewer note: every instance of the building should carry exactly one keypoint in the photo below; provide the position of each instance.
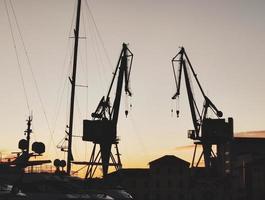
(248, 168)
(134, 181)
(169, 177)
(255, 179)
(166, 179)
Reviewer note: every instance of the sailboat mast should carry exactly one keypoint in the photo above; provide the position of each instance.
(73, 83)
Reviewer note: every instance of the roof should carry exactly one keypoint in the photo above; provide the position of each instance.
(254, 146)
(169, 160)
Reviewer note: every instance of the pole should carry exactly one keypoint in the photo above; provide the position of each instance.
(73, 82)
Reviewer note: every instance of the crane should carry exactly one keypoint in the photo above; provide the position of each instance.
(102, 129)
(207, 132)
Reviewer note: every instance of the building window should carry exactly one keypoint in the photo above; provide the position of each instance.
(169, 183)
(146, 184)
(181, 196)
(157, 184)
(180, 184)
(133, 183)
(181, 170)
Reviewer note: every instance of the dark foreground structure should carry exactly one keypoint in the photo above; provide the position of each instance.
(171, 178)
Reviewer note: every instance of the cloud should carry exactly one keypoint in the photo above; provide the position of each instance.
(252, 134)
(185, 152)
(184, 148)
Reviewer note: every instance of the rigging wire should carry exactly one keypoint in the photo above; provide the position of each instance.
(140, 140)
(67, 106)
(81, 64)
(98, 33)
(33, 75)
(59, 102)
(98, 60)
(78, 109)
(62, 144)
(63, 78)
(98, 40)
(95, 50)
(17, 57)
(86, 64)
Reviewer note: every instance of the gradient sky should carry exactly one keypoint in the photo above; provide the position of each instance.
(223, 39)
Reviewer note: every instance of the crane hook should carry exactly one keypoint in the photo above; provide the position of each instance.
(126, 113)
(177, 113)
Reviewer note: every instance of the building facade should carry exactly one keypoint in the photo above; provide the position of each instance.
(167, 178)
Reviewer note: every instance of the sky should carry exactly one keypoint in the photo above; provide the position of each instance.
(223, 39)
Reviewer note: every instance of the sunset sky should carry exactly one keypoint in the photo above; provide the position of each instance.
(223, 39)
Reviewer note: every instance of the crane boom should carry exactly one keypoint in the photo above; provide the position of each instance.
(123, 74)
(192, 102)
(207, 132)
(197, 116)
(124, 67)
(102, 129)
